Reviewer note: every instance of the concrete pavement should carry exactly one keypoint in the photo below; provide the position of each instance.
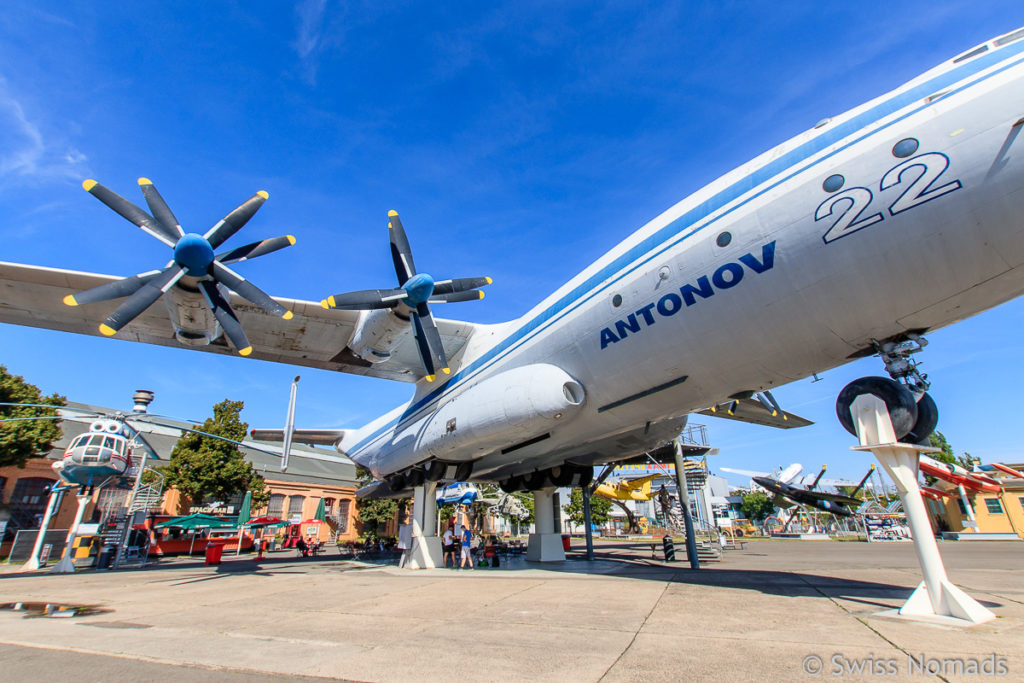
(758, 615)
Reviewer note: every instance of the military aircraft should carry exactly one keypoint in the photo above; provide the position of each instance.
(855, 238)
(628, 489)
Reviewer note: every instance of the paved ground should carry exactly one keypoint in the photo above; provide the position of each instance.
(758, 615)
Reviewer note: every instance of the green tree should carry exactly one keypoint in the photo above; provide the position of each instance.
(600, 508)
(25, 439)
(375, 512)
(203, 467)
(756, 506)
(938, 440)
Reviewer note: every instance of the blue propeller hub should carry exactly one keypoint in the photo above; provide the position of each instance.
(194, 254)
(419, 288)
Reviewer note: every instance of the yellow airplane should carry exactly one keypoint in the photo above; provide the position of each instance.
(628, 489)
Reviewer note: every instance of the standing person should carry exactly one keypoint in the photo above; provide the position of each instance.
(467, 539)
(448, 543)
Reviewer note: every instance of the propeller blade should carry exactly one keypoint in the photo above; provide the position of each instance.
(471, 295)
(401, 253)
(226, 317)
(250, 251)
(429, 341)
(141, 299)
(461, 285)
(365, 299)
(130, 212)
(234, 221)
(112, 290)
(161, 212)
(246, 289)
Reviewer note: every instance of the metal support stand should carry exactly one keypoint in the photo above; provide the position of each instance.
(67, 563)
(588, 525)
(684, 503)
(425, 550)
(936, 598)
(545, 545)
(56, 493)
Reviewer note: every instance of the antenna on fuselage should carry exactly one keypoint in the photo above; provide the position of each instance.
(289, 425)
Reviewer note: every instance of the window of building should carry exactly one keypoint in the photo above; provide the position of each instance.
(960, 503)
(1021, 499)
(343, 510)
(994, 506)
(329, 506)
(295, 504)
(275, 507)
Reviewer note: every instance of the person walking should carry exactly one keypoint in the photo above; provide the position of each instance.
(467, 540)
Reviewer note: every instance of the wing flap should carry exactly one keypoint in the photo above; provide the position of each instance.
(751, 410)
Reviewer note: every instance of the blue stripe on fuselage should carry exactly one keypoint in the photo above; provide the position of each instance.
(664, 236)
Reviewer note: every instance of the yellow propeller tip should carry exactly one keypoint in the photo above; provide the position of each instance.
(87, 185)
(489, 280)
(323, 303)
(429, 378)
(481, 294)
(288, 315)
(263, 193)
(107, 330)
(291, 239)
(69, 300)
(446, 371)
(245, 352)
(145, 181)
(331, 302)
(392, 213)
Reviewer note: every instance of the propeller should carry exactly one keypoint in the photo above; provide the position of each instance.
(193, 257)
(415, 291)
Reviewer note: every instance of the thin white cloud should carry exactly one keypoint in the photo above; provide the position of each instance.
(310, 36)
(25, 152)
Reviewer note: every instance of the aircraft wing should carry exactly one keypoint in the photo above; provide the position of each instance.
(746, 473)
(751, 410)
(315, 337)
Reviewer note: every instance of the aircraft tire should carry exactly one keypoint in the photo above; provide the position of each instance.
(927, 420)
(563, 475)
(511, 485)
(898, 400)
(396, 482)
(415, 476)
(535, 481)
(435, 470)
(587, 476)
(463, 471)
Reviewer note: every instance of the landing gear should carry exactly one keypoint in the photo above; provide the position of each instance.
(913, 412)
(561, 475)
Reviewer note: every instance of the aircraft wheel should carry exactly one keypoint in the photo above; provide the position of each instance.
(898, 400)
(512, 484)
(463, 471)
(927, 420)
(396, 482)
(563, 475)
(435, 470)
(415, 476)
(587, 476)
(535, 481)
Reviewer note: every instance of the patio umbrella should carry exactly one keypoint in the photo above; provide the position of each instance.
(320, 513)
(193, 523)
(243, 518)
(266, 520)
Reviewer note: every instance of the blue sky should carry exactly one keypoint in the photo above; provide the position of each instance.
(518, 141)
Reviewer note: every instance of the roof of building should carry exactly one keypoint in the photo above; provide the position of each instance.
(307, 464)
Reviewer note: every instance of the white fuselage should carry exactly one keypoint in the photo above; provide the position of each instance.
(911, 238)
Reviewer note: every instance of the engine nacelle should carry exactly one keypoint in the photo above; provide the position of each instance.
(377, 333)
(194, 323)
(508, 408)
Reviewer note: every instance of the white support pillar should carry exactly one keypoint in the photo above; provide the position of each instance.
(545, 545)
(425, 550)
(33, 561)
(936, 598)
(67, 563)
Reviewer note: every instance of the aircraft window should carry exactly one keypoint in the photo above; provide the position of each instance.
(833, 183)
(905, 147)
(118, 446)
(723, 239)
(108, 443)
(96, 440)
(823, 122)
(75, 441)
(1009, 38)
(617, 300)
(973, 53)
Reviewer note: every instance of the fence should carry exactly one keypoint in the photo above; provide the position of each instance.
(25, 540)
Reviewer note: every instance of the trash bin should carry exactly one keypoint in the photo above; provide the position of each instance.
(565, 541)
(213, 553)
(669, 547)
(106, 557)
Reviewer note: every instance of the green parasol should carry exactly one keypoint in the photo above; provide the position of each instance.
(197, 521)
(244, 513)
(320, 513)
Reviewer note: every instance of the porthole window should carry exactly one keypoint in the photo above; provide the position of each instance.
(904, 148)
(617, 300)
(833, 183)
(664, 272)
(723, 239)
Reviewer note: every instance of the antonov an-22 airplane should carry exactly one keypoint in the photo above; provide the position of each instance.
(854, 238)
